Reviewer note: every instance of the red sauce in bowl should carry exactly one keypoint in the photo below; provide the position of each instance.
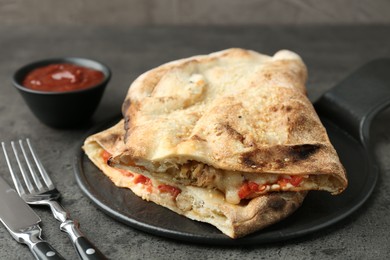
(62, 77)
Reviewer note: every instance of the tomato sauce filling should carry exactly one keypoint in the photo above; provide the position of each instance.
(169, 189)
(62, 77)
(139, 178)
(250, 189)
(106, 156)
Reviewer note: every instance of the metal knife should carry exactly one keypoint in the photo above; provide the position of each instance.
(23, 224)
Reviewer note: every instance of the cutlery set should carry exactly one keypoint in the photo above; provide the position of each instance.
(36, 189)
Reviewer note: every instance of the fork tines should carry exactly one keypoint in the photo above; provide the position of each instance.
(24, 155)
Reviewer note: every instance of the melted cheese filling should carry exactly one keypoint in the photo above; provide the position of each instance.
(228, 182)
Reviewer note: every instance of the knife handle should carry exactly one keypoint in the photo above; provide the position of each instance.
(41, 249)
(44, 251)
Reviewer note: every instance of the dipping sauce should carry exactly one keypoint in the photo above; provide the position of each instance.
(62, 77)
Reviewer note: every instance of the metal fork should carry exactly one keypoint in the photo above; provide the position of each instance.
(45, 193)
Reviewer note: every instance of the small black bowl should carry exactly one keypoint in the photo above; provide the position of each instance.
(62, 109)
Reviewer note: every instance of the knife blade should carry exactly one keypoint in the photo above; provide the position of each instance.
(23, 224)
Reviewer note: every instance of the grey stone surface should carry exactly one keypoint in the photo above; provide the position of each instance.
(194, 12)
(330, 52)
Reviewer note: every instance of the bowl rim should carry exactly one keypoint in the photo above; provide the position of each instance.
(24, 70)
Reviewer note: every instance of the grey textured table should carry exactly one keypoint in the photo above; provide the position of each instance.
(330, 53)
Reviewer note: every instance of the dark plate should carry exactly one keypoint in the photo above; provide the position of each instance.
(346, 111)
(319, 210)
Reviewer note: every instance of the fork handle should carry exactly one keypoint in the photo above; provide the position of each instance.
(85, 249)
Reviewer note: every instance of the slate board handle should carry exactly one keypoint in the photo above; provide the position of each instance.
(354, 102)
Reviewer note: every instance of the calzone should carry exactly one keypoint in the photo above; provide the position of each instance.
(235, 124)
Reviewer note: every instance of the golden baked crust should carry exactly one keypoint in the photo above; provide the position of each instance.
(195, 203)
(235, 110)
